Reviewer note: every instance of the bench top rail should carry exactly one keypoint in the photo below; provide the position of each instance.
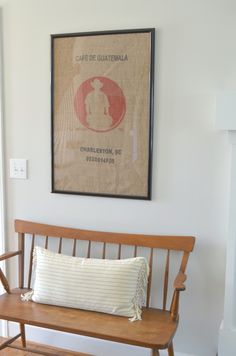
(180, 243)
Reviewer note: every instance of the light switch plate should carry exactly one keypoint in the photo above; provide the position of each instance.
(18, 168)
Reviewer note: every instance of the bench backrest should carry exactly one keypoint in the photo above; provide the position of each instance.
(30, 234)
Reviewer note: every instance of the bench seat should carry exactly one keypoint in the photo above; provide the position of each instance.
(154, 330)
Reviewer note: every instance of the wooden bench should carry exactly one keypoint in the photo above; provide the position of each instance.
(158, 325)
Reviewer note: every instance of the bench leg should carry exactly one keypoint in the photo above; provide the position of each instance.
(171, 349)
(22, 331)
(155, 352)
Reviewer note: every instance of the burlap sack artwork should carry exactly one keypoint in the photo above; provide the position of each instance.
(101, 114)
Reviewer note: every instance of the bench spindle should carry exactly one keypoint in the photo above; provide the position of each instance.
(104, 250)
(119, 252)
(31, 260)
(166, 279)
(89, 249)
(149, 278)
(74, 248)
(60, 245)
(21, 247)
(46, 242)
(184, 261)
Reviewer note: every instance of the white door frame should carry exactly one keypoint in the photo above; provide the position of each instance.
(3, 324)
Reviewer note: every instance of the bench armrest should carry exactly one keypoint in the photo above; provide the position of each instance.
(3, 278)
(179, 281)
(178, 287)
(7, 255)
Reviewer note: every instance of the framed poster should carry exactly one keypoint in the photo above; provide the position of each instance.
(102, 113)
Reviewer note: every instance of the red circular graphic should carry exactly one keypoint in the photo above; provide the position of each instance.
(100, 104)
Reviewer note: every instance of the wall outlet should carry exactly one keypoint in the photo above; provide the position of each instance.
(18, 168)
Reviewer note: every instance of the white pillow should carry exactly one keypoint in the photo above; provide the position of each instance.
(110, 286)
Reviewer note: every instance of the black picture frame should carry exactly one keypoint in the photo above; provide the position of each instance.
(102, 108)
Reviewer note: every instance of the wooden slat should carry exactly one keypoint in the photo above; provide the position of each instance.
(21, 262)
(155, 352)
(166, 279)
(22, 331)
(89, 249)
(4, 281)
(30, 350)
(184, 243)
(34, 349)
(171, 349)
(104, 250)
(7, 255)
(60, 245)
(184, 262)
(31, 261)
(119, 252)
(7, 342)
(46, 242)
(175, 305)
(74, 248)
(149, 278)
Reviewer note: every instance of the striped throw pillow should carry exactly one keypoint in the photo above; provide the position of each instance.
(110, 286)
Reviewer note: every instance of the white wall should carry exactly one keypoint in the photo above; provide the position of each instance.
(195, 58)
